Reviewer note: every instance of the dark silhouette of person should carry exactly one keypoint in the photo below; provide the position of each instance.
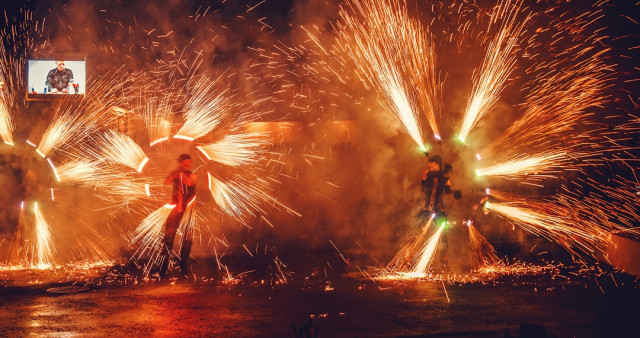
(435, 183)
(59, 79)
(184, 192)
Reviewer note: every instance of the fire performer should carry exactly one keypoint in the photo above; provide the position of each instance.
(434, 184)
(184, 191)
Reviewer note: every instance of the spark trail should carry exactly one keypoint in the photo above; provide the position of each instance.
(414, 259)
(558, 223)
(482, 252)
(234, 197)
(148, 235)
(43, 247)
(394, 56)
(499, 62)
(81, 172)
(545, 164)
(188, 223)
(235, 150)
(204, 109)
(119, 148)
(68, 125)
(427, 254)
(6, 125)
(158, 118)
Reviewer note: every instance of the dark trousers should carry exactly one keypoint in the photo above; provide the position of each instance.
(170, 229)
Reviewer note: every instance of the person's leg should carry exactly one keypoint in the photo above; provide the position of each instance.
(185, 250)
(443, 246)
(170, 228)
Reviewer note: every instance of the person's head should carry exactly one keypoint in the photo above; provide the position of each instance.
(184, 162)
(435, 163)
(60, 65)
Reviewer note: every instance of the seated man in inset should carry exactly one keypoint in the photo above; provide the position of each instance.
(59, 78)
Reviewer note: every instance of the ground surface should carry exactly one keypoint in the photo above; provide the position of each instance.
(348, 307)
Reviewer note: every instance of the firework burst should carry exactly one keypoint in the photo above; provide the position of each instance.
(395, 57)
(204, 109)
(416, 256)
(120, 148)
(235, 150)
(482, 252)
(147, 237)
(43, 248)
(498, 64)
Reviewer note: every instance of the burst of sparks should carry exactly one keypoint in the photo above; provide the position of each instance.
(542, 164)
(579, 236)
(65, 127)
(501, 195)
(120, 148)
(499, 62)
(188, 222)
(482, 252)
(569, 81)
(427, 254)
(415, 258)
(119, 188)
(7, 96)
(159, 119)
(148, 235)
(6, 126)
(235, 150)
(553, 108)
(395, 57)
(43, 249)
(204, 110)
(80, 171)
(234, 198)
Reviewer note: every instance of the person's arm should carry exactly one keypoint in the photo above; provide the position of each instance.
(457, 194)
(172, 176)
(189, 179)
(447, 187)
(424, 181)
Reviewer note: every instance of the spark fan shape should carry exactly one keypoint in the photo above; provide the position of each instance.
(542, 165)
(158, 118)
(482, 252)
(147, 237)
(204, 109)
(43, 246)
(396, 58)
(73, 120)
(69, 126)
(498, 64)
(233, 197)
(235, 150)
(559, 132)
(555, 223)
(568, 83)
(414, 259)
(558, 100)
(210, 126)
(120, 148)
